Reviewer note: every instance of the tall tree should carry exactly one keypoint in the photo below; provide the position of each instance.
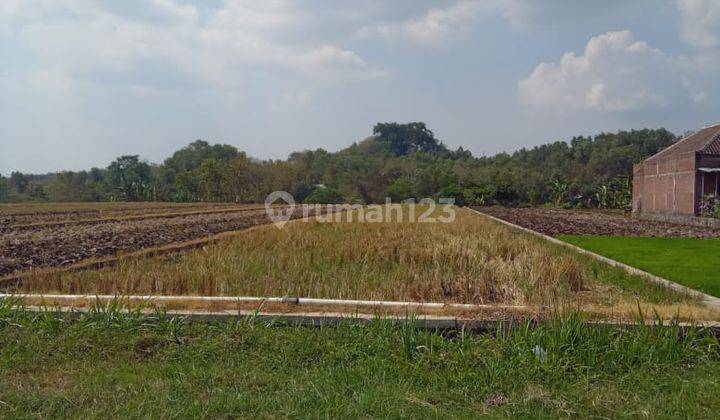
(128, 178)
(19, 182)
(4, 189)
(70, 186)
(210, 180)
(193, 155)
(407, 138)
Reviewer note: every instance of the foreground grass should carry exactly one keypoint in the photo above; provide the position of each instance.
(109, 364)
(691, 262)
(471, 260)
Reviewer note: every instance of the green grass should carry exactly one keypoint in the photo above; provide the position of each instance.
(692, 262)
(113, 365)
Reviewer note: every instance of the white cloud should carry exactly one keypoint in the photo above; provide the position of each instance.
(290, 101)
(87, 41)
(615, 73)
(9, 11)
(700, 23)
(439, 26)
(180, 11)
(257, 15)
(435, 28)
(331, 61)
(700, 28)
(525, 13)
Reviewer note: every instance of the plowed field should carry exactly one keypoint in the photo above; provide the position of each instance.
(58, 238)
(555, 222)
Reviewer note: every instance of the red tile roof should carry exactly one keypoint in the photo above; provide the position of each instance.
(705, 141)
(712, 148)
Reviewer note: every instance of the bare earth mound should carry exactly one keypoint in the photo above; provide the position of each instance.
(555, 222)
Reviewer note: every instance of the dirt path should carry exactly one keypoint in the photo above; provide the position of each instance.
(555, 222)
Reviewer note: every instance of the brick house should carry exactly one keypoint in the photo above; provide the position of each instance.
(672, 182)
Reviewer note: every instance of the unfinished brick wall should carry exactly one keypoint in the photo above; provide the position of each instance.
(673, 181)
(638, 181)
(665, 184)
(707, 183)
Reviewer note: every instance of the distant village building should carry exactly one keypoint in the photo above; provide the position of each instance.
(671, 183)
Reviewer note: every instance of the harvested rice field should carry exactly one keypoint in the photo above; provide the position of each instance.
(471, 260)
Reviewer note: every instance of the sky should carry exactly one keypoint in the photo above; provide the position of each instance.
(85, 81)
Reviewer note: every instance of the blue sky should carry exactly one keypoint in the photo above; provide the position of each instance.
(84, 81)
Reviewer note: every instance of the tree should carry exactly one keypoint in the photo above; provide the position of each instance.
(400, 160)
(324, 195)
(185, 188)
(19, 182)
(407, 138)
(236, 178)
(70, 186)
(35, 191)
(4, 189)
(403, 188)
(559, 189)
(209, 180)
(128, 178)
(96, 185)
(193, 155)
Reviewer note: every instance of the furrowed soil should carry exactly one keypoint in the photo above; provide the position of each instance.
(23, 248)
(555, 222)
(13, 215)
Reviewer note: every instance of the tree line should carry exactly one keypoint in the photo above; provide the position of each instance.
(400, 161)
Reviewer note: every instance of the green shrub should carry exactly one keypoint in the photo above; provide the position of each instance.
(323, 195)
